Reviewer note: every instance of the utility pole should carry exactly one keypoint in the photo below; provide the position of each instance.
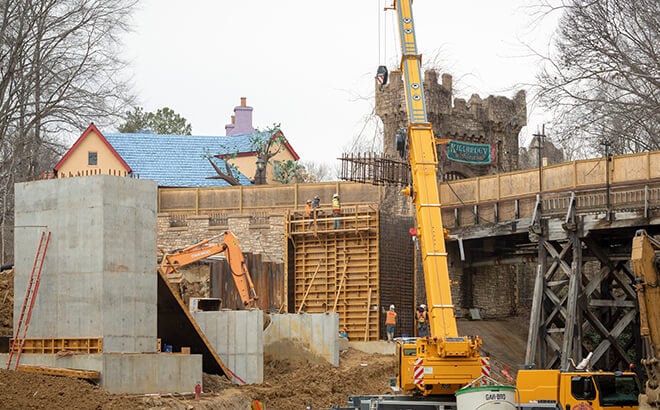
(539, 139)
(607, 145)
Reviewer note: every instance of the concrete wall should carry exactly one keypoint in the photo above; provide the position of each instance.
(98, 280)
(98, 277)
(237, 337)
(315, 337)
(130, 373)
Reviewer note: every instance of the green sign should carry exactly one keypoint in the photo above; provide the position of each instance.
(468, 152)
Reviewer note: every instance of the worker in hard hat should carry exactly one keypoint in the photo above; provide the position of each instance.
(308, 212)
(422, 320)
(390, 323)
(336, 210)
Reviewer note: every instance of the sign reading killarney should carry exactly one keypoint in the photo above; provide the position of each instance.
(468, 152)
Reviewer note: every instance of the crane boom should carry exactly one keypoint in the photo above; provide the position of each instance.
(443, 362)
(426, 196)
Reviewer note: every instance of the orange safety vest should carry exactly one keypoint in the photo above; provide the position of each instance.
(308, 210)
(391, 318)
(421, 317)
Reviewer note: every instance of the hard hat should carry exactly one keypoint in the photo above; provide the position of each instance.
(335, 196)
(423, 306)
(391, 307)
(309, 201)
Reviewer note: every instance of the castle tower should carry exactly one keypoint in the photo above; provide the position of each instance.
(495, 120)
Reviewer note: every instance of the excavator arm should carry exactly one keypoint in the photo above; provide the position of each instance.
(644, 261)
(171, 262)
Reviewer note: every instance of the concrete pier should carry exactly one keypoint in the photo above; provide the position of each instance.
(99, 279)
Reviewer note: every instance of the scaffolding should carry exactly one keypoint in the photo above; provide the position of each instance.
(334, 268)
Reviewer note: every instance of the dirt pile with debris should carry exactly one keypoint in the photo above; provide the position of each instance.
(287, 385)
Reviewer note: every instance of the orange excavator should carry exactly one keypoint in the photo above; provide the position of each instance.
(171, 262)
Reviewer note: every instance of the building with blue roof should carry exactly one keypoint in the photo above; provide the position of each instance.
(174, 160)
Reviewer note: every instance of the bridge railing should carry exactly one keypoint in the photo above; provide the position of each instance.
(633, 183)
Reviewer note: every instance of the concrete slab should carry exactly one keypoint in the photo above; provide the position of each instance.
(313, 336)
(237, 337)
(136, 373)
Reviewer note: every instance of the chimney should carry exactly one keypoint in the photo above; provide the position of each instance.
(229, 128)
(241, 120)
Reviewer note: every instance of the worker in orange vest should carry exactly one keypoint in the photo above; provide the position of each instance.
(422, 319)
(390, 323)
(308, 212)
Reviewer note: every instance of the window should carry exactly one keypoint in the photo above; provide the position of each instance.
(582, 388)
(618, 389)
(92, 158)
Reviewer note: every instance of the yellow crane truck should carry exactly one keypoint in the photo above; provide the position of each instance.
(644, 261)
(437, 371)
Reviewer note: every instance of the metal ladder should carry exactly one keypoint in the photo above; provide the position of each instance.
(28, 302)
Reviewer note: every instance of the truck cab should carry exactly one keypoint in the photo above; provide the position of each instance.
(583, 390)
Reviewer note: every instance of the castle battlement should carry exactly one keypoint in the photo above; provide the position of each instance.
(495, 120)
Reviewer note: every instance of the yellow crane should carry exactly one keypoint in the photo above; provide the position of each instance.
(644, 263)
(443, 362)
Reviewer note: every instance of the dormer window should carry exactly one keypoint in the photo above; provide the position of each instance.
(92, 158)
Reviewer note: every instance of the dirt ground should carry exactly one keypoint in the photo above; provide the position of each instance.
(6, 301)
(289, 384)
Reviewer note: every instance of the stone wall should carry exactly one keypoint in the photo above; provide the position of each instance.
(260, 234)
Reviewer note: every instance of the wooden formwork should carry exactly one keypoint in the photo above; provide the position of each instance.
(336, 269)
(85, 345)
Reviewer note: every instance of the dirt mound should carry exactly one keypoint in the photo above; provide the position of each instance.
(6, 302)
(20, 390)
(287, 385)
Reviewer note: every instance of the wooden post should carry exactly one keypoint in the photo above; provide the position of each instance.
(341, 283)
(366, 327)
(309, 287)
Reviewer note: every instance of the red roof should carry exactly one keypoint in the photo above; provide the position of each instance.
(89, 130)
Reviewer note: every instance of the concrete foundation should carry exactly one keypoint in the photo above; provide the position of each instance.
(316, 334)
(237, 337)
(99, 279)
(132, 373)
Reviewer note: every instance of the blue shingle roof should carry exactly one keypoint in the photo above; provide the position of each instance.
(180, 160)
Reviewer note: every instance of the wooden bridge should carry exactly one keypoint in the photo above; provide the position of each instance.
(576, 222)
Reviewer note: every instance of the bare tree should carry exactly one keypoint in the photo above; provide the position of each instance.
(316, 171)
(603, 82)
(59, 71)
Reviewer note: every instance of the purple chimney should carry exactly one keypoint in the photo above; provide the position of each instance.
(241, 121)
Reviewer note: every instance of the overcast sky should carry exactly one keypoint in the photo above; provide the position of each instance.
(310, 65)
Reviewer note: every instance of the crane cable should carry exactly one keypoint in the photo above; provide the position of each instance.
(379, 14)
